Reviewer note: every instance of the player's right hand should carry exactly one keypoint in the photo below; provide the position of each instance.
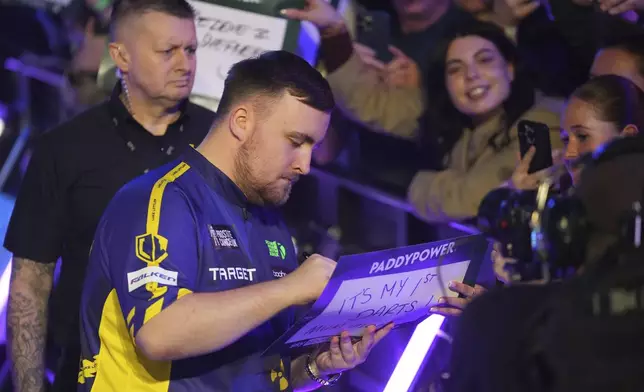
(310, 278)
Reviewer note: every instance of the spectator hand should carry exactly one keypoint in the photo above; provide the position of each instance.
(616, 7)
(402, 71)
(522, 180)
(368, 57)
(320, 13)
(501, 264)
(522, 8)
(343, 354)
(453, 306)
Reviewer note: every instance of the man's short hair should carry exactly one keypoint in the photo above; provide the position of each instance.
(123, 9)
(270, 75)
(634, 46)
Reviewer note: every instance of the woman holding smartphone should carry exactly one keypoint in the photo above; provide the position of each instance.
(604, 108)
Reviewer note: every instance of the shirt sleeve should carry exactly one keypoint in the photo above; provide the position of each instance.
(36, 224)
(151, 247)
(364, 97)
(452, 195)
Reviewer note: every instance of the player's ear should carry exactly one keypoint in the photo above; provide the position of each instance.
(239, 123)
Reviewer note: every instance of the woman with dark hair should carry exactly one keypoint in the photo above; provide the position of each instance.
(477, 92)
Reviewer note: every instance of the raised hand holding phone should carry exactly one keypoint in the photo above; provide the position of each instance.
(535, 155)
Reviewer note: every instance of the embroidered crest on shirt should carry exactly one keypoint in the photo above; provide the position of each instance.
(275, 249)
(87, 369)
(278, 377)
(223, 237)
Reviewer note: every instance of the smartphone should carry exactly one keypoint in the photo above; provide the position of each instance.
(373, 29)
(535, 134)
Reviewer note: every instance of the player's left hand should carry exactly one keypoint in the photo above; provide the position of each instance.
(453, 306)
(343, 354)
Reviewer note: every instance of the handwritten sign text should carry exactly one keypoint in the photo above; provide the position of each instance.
(378, 300)
(227, 36)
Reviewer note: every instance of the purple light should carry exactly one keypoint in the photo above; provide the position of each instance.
(4, 296)
(4, 286)
(414, 354)
(3, 118)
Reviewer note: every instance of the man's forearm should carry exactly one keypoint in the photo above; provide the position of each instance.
(205, 322)
(29, 291)
(300, 380)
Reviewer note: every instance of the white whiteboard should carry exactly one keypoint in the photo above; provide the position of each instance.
(227, 36)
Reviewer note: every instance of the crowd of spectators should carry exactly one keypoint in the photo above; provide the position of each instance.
(460, 76)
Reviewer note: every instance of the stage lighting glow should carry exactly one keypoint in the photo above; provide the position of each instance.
(3, 117)
(417, 347)
(4, 286)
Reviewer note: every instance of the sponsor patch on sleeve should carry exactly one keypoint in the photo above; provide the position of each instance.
(223, 237)
(279, 272)
(151, 274)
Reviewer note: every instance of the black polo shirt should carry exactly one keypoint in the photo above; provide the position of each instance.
(74, 172)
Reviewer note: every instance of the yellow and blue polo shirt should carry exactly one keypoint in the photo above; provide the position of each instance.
(183, 228)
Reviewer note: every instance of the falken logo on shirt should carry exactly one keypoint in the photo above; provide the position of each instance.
(223, 237)
(151, 274)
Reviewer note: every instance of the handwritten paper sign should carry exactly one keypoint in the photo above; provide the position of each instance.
(398, 285)
(228, 35)
(229, 31)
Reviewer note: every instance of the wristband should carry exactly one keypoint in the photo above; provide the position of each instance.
(313, 373)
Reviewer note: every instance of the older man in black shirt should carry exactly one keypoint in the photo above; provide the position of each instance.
(78, 167)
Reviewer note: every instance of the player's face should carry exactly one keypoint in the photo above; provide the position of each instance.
(582, 132)
(279, 149)
(162, 61)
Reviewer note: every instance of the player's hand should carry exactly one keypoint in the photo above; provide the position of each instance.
(310, 278)
(343, 354)
(319, 12)
(453, 306)
(401, 71)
